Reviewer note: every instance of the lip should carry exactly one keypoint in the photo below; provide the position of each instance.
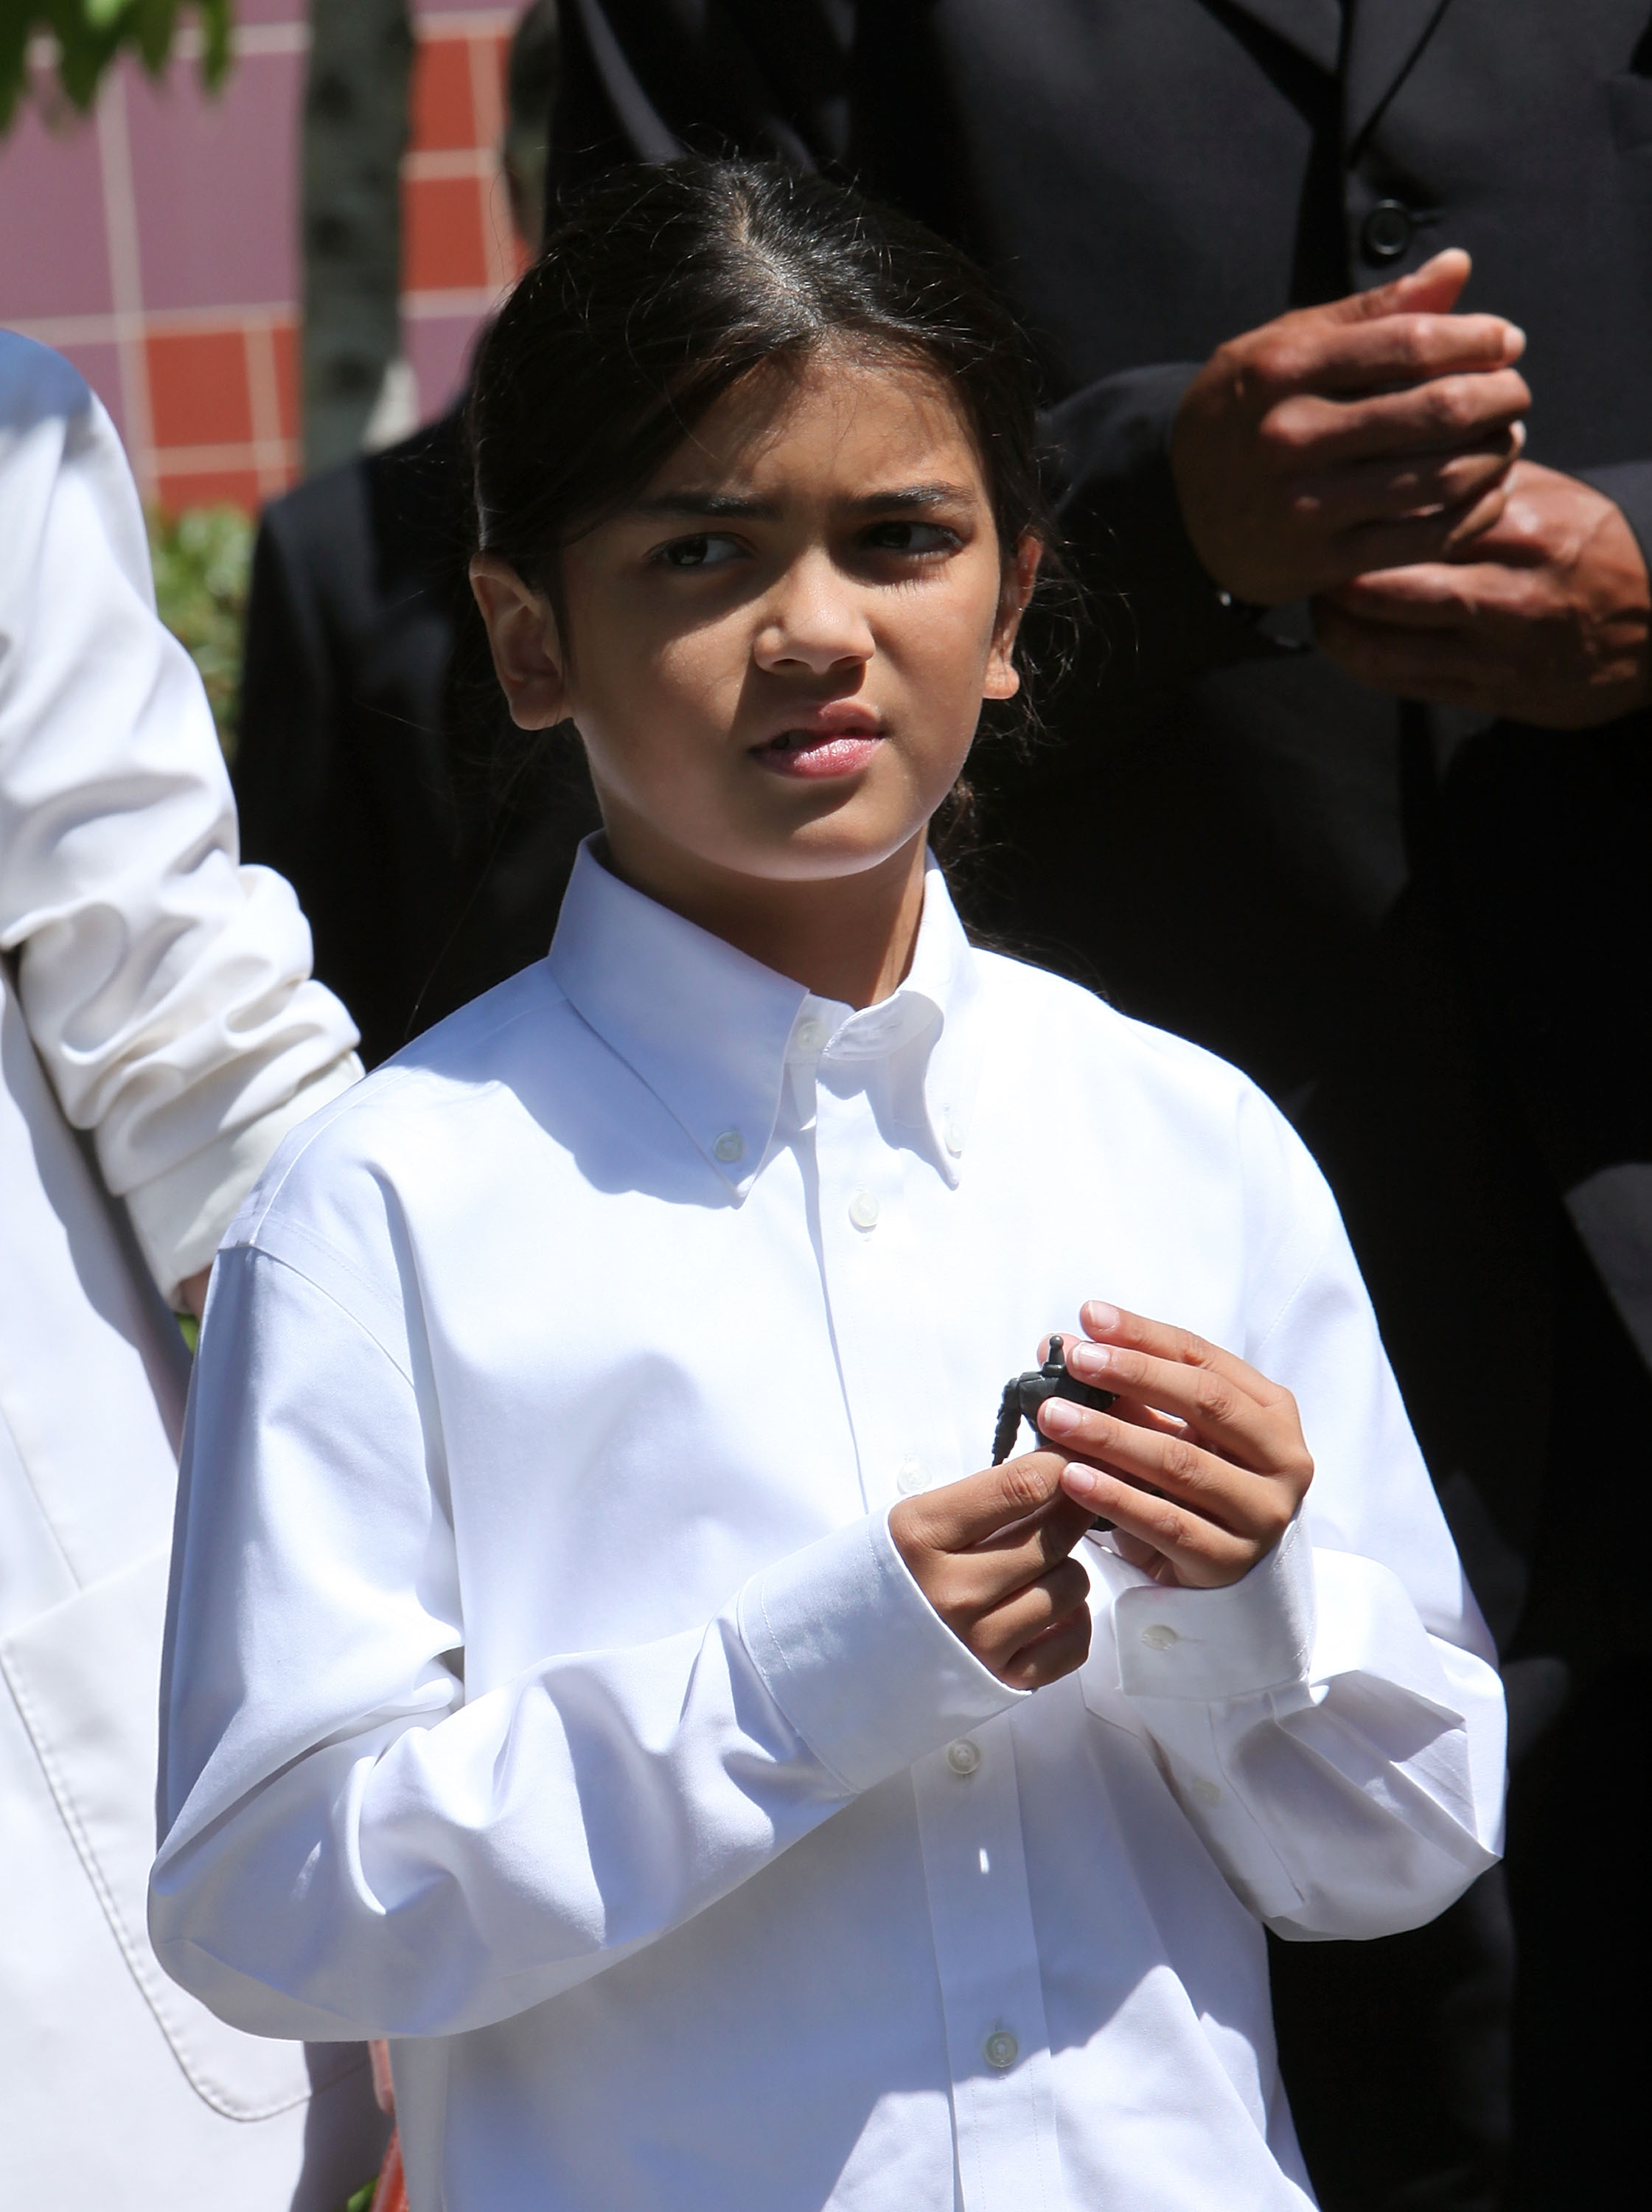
(837, 737)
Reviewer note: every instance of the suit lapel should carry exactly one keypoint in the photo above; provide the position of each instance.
(1385, 37)
(1314, 28)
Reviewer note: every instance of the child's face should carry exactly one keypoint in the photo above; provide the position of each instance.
(776, 656)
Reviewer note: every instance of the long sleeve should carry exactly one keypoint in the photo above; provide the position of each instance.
(1333, 1725)
(165, 988)
(438, 1863)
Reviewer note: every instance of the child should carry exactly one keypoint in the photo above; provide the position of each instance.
(603, 1662)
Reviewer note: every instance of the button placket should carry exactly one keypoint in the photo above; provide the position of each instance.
(868, 1271)
(986, 1960)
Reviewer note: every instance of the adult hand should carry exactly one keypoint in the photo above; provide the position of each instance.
(990, 1553)
(1546, 616)
(1372, 433)
(1198, 1463)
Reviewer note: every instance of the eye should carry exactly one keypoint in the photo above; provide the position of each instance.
(911, 537)
(706, 550)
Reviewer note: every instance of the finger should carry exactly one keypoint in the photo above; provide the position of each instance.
(961, 1515)
(1406, 485)
(1249, 1503)
(1436, 595)
(1026, 1613)
(984, 1577)
(1437, 286)
(1403, 350)
(1204, 1554)
(1060, 1651)
(1115, 1326)
(1138, 1554)
(1450, 668)
(1423, 540)
(1308, 431)
(1215, 1410)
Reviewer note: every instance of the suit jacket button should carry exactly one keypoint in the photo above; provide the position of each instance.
(1387, 231)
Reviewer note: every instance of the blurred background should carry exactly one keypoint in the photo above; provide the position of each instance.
(268, 185)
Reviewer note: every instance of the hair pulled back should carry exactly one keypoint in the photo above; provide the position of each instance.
(661, 287)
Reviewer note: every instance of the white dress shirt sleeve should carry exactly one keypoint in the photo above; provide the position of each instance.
(356, 1849)
(1334, 1724)
(166, 989)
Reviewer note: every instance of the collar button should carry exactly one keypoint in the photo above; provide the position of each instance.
(729, 1147)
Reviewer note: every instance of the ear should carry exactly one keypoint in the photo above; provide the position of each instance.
(1003, 678)
(527, 649)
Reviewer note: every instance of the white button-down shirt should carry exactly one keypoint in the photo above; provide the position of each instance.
(547, 1693)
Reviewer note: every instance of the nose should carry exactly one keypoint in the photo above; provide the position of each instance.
(813, 620)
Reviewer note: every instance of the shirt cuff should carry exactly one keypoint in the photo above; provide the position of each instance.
(1212, 1646)
(858, 1660)
(180, 1217)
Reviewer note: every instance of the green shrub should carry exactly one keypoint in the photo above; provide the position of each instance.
(202, 558)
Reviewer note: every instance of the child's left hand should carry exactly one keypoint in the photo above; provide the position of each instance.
(1199, 1463)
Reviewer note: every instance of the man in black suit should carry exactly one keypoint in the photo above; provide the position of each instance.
(1361, 798)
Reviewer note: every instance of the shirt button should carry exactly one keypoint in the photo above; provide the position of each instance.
(812, 1035)
(1159, 1635)
(1206, 1793)
(954, 1136)
(1001, 2049)
(1387, 231)
(963, 1758)
(729, 1147)
(910, 1477)
(863, 1210)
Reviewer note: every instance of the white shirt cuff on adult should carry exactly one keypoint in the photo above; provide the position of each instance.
(180, 1217)
(858, 1661)
(1213, 1645)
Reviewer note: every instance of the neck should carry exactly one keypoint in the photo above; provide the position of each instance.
(848, 938)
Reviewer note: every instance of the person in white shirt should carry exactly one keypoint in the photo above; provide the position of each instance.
(159, 1036)
(604, 1662)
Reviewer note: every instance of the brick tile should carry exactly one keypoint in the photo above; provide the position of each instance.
(443, 114)
(197, 388)
(443, 244)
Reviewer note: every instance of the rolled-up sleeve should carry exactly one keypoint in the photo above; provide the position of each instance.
(166, 988)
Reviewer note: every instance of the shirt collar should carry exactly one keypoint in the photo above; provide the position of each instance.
(709, 1030)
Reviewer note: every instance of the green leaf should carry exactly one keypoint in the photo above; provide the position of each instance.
(203, 560)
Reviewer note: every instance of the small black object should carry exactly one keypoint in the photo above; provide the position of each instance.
(1025, 1395)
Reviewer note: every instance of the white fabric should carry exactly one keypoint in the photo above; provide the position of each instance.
(549, 1695)
(166, 993)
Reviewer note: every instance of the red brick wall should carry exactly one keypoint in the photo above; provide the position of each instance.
(155, 244)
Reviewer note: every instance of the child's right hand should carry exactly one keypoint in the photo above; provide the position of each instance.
(990, 1553)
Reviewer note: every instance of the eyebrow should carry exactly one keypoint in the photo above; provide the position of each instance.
(730, 506)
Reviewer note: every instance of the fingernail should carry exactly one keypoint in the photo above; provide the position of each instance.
(1514, 343)
(1056, 1417)
(1090, 1359)
(1079, 1482)
(1098, 1315)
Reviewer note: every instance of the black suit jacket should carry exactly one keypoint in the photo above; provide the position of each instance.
(1425, 934)
(428, 844)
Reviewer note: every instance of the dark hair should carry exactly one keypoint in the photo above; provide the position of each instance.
(659, 287)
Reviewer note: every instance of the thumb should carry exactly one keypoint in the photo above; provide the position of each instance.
(964, 1514)
(1433, 290)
